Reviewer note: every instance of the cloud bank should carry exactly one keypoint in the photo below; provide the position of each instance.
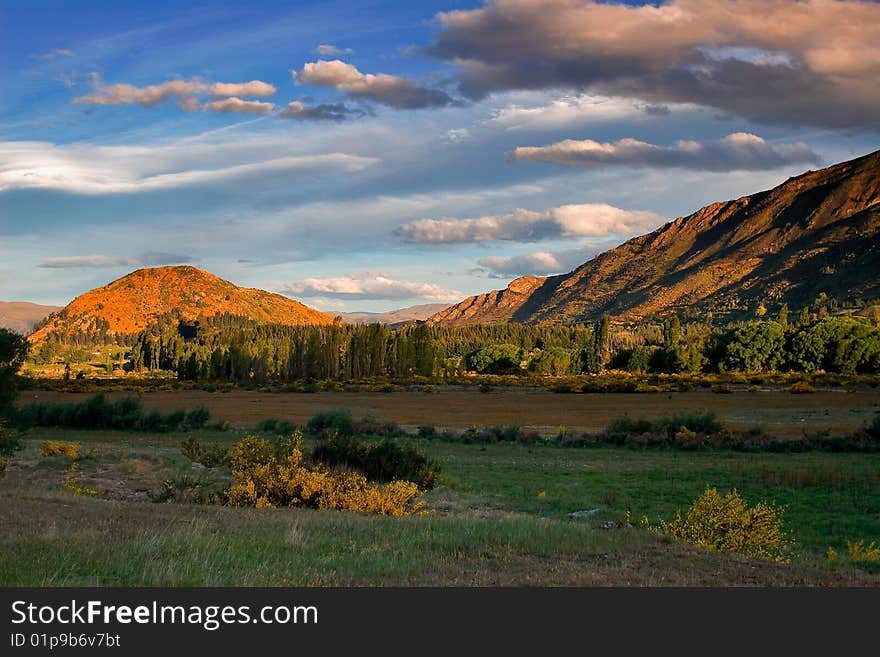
(581, 220)
(390, 90)
(738, 151)
(86, 169)
(796, 62)
(369, 285)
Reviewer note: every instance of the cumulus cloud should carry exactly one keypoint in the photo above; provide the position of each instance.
(737, 151)
(55, 53)
(186, 92)
(589, 219)
(323, 112)
(103, 261)
(791, 61)
(86, 169)
(239, 106)
(252, 88)
(128, 94)
(390, 90)
(369, 285)
(329, 50)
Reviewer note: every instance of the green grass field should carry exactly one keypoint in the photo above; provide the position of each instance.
(499, 517)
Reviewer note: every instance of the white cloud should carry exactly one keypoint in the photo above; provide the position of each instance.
(737, 151)
(588, 219)
(329, 50)
(103, 261)
(458, 135)
(128, 94)
(541, 263)
(239, 106)
(55, 53)
(185, 92)
(88, 169)
(369, 285)
(572, 111)
(387, 89)
(253, 88)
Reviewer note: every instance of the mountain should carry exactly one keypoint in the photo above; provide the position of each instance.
(22, 316)
(814, 233)
(128, 305)
(417, 313)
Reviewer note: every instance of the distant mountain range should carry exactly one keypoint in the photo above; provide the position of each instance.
(128, 305)
(420, 312)
(22, 316)
(818, 232)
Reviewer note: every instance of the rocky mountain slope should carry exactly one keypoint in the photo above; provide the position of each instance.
(814, 233)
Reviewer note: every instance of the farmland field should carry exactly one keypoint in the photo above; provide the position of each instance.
(499, 516)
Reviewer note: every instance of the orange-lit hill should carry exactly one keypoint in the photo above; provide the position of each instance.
(130, 304)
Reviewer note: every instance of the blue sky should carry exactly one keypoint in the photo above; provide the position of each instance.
(373, 155)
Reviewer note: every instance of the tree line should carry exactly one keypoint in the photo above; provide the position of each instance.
(235, 349)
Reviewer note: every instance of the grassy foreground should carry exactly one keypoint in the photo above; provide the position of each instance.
(500, 517)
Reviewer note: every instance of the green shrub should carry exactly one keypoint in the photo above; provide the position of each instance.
(98, 413)
(429, 431)
(727, 524)
(9, 441)
(267, 425)
(198, 417)
(191, 449)
(285, 427)
(338, 420)
(705, 423)
(379, 461)
(873, 429)
(370, 426)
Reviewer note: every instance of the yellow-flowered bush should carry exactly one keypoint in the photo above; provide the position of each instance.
(269, 475)
(859, 552)
(726, 523)
(56, 448)
(72, 484)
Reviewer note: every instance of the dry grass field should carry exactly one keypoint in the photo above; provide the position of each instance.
(778, 412)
